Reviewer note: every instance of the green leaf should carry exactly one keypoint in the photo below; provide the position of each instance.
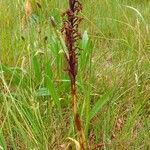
(2, 143)
(85, 39)
(43, 92)
(54, 94)
(36, 66)
(100, 103)
(14, 73)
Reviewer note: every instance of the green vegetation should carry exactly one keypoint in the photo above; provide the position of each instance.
(113, 81)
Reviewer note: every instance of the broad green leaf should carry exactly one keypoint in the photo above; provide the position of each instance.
(100, 103)
(36, 67)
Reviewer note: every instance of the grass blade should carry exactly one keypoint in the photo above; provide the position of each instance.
(100, 103)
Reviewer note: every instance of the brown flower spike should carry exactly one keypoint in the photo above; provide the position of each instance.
(70, 30)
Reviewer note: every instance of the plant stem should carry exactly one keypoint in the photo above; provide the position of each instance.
(70, 29)
(77, 119)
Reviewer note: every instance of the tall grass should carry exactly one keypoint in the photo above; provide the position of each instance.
(112, 83)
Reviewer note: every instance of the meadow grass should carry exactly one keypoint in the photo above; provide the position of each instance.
(113, 82)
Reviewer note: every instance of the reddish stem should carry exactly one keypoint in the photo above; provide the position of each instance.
(71, 33)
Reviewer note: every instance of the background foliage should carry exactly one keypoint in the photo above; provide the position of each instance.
(113, 75)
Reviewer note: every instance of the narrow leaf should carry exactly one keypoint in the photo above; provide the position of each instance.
(100, 103)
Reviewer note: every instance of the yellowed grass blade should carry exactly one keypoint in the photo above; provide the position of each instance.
(28, 11)
(77, 144)
(28, 8)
